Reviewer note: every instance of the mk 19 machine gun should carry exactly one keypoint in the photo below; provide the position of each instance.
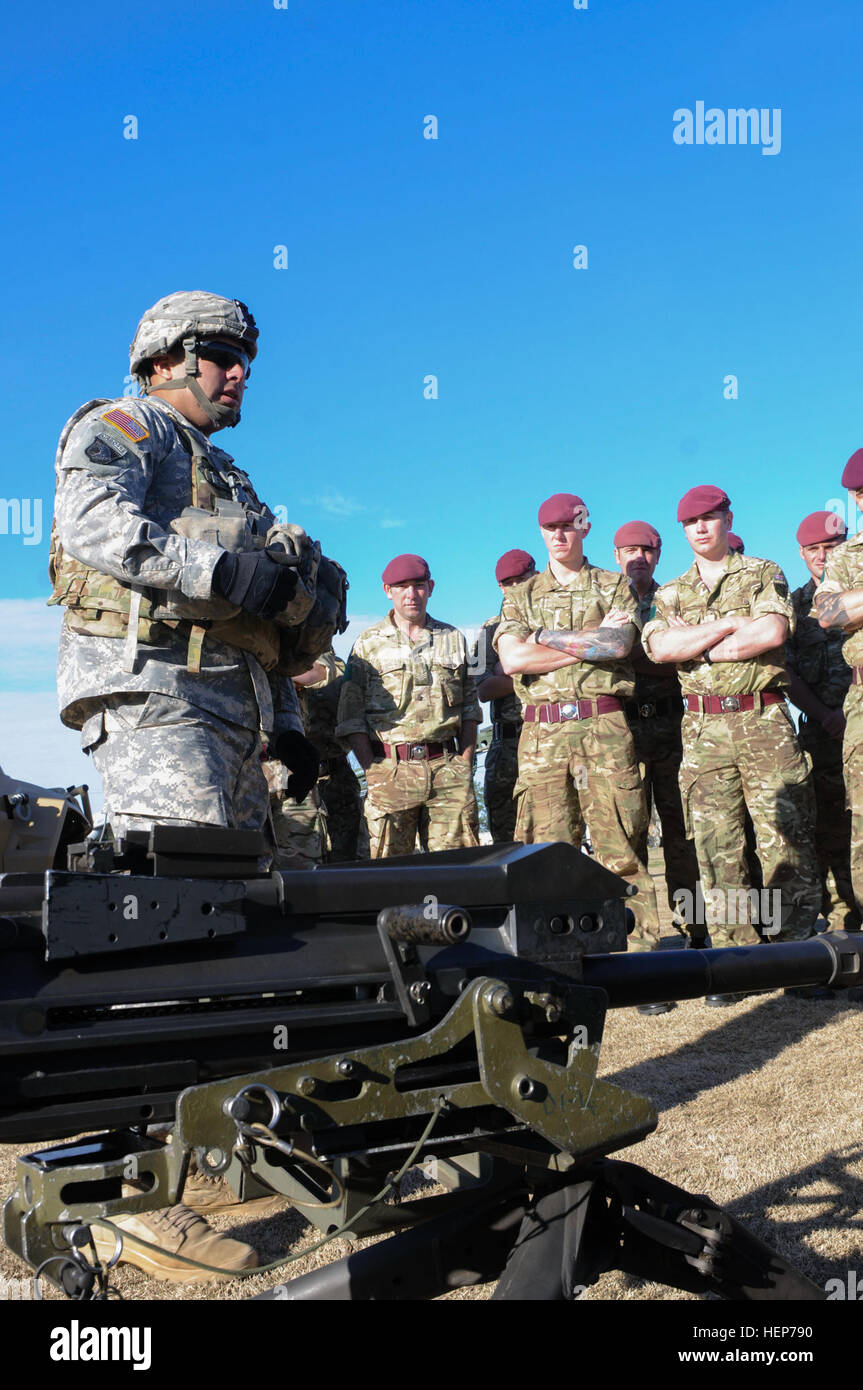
(310, 1032)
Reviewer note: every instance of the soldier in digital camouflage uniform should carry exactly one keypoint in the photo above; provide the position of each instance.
(171, 706)
(818, 685)
(325, 826)
(565, 636)
(839, 605)
(501, 760)
(169, 650)
(724, 622)
(409, 711)
(654, 716)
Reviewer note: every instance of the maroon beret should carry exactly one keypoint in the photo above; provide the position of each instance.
(562, 509)
(735, 543)
(637, 533)
(699, 500)
(821, 526)
(852, 476)
(513, 565)
(404, 568)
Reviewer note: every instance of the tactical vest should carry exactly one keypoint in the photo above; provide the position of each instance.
(100, 606)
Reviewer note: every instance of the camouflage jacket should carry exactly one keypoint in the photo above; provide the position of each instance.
(749, 587)
(541, 601)
(845, 571)
(399, 692)
(816, 653)
(120, 482)
(319, 706)
(506, 709)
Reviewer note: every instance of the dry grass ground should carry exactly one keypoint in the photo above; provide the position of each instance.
(760, 1107)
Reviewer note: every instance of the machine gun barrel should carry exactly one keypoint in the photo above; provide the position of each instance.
(831, 958)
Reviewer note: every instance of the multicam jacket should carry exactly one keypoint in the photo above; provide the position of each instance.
(542, 602)
(844, 570)
(749, 587)
(319, 706)
(401, 692)
(815, 653)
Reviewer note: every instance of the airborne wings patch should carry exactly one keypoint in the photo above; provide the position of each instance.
(126, 424)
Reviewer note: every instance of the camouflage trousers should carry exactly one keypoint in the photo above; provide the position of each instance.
(585, 771)
(852, 754)
(299, 828)
(751, 759)
(162, 759)
(343, 803)
(832, 827)
(430, 798)
(659, 751)
(501, 772)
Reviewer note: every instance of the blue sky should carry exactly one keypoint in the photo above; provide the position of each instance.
(409, 257)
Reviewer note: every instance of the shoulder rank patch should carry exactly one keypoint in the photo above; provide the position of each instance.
(126, 424)
(100, 451)
(781, 587)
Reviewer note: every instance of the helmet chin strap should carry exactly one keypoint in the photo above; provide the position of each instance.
(222, 416)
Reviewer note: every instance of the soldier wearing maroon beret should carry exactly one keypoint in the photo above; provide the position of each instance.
(565, 636)
(408, 710)
(654, 716)
(501, 760)
(724, 623)
(735, 544)
(839, 605)
(818, 685)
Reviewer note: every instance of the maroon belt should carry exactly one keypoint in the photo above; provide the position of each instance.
(562, 711)
(730, 704)
(418, 752)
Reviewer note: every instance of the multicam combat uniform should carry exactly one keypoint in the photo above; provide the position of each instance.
(576, 759)
(743, 751)
(198, 686)
(501, 760)
(325, 826)
(654, 717)
(412, 699)
(815, 654)
(844, 570)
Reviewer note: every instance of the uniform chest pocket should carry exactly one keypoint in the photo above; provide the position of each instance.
(452, 683)
(562, 614)
(387, 691)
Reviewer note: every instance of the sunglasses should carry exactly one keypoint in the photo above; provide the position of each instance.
(225, 356)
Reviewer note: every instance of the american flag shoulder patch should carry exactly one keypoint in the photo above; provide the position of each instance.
(126, 424)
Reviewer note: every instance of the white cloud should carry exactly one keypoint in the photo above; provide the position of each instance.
(336, 504)
(387, 523)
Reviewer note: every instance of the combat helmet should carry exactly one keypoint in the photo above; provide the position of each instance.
(184, 319)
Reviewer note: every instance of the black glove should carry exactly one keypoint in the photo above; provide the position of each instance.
(301, 759)
(257, 580)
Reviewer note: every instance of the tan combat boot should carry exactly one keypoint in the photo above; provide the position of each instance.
(176, 1231)
(209, 1194)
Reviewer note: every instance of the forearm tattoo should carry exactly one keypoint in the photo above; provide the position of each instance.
(600, 644)
(831, 610)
